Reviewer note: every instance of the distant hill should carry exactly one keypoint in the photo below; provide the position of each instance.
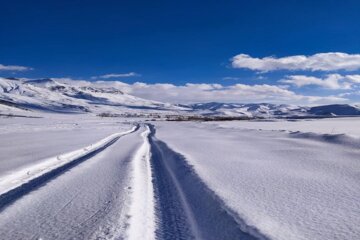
(273, 110)
(49, 95)
(335, 110)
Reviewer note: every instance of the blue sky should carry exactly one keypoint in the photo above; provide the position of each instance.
(180, 42)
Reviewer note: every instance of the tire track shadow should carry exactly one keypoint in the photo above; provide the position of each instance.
(179, 189)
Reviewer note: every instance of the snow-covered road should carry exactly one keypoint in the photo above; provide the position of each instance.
(168, 180)
(24, 142)
(85, 200)
(127, 185)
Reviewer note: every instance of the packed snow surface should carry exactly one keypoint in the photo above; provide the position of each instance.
(79, 176)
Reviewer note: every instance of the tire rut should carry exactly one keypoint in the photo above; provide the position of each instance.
(186, 208)
(33, 184)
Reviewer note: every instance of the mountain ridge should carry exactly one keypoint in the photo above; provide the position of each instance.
(51, 95)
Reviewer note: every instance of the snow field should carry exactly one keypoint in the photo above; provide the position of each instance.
(182, 180)
(285, 187)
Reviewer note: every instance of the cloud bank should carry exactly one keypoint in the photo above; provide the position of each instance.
(215, 92)
(331, 61)
(191, 93)
(331, 81)
(13, 68)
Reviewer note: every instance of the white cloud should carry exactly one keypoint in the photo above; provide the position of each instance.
(13, 68)
(230, 78)
(217, 92)
(261, 77)
(348, 94)
(318, 62)
(190, 92)
(117, 75)
(331, 81)
(353, 78)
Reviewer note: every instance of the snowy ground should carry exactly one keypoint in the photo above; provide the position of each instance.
(287, 186)
(349, 126)
(84, 177)
(24, 141)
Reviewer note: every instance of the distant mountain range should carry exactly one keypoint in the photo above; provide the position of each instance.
(19, 96)
(267, 110)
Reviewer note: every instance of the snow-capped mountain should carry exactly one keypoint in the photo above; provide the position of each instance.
(335, 110)
(273, 110)
(53, 96)
(249, 110)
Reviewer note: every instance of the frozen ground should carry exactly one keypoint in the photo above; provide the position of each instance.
(83, 177)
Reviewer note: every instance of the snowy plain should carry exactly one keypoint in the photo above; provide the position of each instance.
(349, 126)
(86, 177)
(285, 185)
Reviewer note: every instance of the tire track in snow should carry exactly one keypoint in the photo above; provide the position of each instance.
(16, 185)
(186, 208)
(142, 211)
